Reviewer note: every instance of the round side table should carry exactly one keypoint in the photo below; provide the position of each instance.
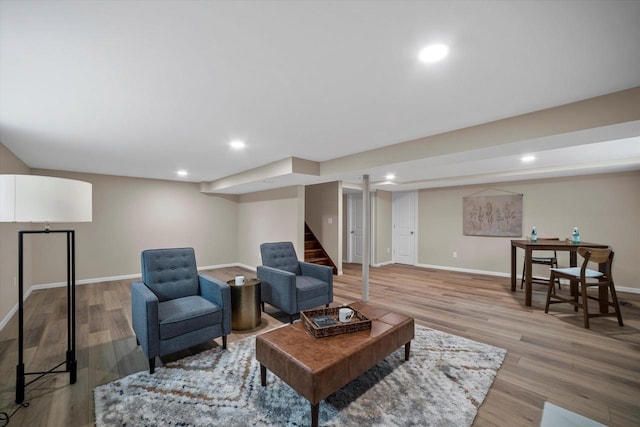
(245, 304)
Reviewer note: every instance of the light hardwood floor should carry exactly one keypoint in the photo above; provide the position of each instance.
(551, 357)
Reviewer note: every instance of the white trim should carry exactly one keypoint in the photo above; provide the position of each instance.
(8, 317)
(501, 274)
(627, 289)
(394, 220)
(381, 264)
(237, 264)
(14, 309)
(39, 287)
(464, 270)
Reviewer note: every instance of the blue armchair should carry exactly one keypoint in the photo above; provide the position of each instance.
(174, 307)
(292, 285)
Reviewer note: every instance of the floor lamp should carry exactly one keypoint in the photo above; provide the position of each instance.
(43, 199)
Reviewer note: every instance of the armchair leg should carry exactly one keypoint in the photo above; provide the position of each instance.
(291, 318)
(137, 341)
(224, 342)
(152, 365)
(263, 307)
(326, 305)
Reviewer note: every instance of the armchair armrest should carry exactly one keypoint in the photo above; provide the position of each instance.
(283, 287)
(144, 316)
(218, 292)
(320, 272)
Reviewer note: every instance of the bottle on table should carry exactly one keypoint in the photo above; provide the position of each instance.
(534, 235)
(575, 236)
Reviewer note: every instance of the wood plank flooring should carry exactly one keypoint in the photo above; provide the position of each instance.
(551, 357)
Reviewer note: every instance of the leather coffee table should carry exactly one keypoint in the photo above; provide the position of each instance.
(317, 367)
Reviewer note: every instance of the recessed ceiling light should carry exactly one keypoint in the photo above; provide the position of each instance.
(182, 172)
(390, 176)
(528, 158)
(433, 53)
(237, 144)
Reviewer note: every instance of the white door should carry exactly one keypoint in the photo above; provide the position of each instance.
(404, 228)
(355, 228)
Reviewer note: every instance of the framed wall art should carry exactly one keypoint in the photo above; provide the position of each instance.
(492, 215)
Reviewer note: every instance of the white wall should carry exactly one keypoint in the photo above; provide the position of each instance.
(133, 214)
(10, 164)
(270, 216)
(606, 208)
(383, 227)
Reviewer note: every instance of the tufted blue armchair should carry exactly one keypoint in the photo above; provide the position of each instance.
(174, 307)
(292, 285)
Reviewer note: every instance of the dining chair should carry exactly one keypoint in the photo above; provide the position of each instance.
(582, 278)
(551, 261)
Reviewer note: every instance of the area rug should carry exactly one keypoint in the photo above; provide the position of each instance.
(443, 384)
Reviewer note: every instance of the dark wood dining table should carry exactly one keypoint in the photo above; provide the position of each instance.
(551, 245)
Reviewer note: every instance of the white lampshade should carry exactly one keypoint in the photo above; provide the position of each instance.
(33, 198)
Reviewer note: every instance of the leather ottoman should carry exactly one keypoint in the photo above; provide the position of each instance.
(317, 367)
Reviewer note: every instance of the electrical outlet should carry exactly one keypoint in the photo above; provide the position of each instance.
(455, 254)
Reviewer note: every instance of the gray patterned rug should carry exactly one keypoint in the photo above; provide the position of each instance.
(443, 384)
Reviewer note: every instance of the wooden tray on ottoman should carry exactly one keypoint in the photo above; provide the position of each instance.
(359, 322)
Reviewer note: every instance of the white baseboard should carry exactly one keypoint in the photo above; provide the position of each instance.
(38, 287)
(32, 288)
(381, 264)
(464, 270)
(619, 288)
(10, 314)
(237, 264)
(627, 289)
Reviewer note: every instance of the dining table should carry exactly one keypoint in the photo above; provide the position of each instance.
(552, 245)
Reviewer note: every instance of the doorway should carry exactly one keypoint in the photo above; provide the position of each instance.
(404, 212)
(354, 227)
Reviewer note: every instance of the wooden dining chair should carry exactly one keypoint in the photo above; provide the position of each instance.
(551, 261)
(582, 278)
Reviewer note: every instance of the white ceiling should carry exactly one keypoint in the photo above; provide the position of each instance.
(144, 88)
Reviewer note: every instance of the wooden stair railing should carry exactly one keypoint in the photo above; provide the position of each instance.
(314, 252)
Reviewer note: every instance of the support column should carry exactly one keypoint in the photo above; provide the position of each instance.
(366, 228)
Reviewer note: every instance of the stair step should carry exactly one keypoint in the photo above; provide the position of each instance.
(313, 244)
(319, 260)
(313, 252)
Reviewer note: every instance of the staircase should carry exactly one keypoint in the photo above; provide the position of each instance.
(314, 252)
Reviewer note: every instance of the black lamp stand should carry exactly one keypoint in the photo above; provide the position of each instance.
(71, 364)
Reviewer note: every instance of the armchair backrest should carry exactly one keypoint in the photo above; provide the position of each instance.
(170, 273)
(281, 255)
